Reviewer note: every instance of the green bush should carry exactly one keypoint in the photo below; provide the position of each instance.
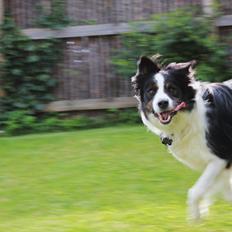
(22, 122)
(179, 36)
(19, 122)
(56, 18)
(26, 70)
(128, 116)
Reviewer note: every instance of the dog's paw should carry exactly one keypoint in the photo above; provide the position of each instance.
(197, 212)
(166, 140)
(204, 207)
(194, 214)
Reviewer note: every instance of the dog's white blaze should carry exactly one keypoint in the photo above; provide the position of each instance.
(160, 94)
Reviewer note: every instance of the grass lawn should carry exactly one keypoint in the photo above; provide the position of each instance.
(102, 180)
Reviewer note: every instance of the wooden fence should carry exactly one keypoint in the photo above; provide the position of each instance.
(226, 6)
(86, 78)
(81, 12)
(87, 73)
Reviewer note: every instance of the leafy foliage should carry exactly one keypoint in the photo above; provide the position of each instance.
(54, 19)
(20, 122)
(180, 36)
(26, 70)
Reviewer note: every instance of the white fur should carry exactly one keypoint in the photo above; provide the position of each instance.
(161, 95)
(187, 129)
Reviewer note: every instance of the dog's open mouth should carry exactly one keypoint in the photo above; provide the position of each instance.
(166, 116)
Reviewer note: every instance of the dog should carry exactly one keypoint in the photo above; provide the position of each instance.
(194, 120)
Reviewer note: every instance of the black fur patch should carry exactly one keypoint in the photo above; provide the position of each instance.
(219, 115)
(146, 70)
(181, 81)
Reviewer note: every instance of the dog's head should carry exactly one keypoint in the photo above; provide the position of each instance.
(164, 91)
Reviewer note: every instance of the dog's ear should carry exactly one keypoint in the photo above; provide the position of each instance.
(145, 67)
(186, 68)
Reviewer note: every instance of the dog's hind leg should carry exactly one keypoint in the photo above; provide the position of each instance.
(205, 204)
(197, 193)
(222, 187)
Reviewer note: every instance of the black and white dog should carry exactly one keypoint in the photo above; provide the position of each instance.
(195, 120)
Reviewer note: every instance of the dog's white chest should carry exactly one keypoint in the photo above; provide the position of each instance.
(191, 150)
(189, 143)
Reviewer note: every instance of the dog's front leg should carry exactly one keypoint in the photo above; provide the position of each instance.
(197, 192)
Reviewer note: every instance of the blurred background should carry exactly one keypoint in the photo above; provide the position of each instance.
(75, 57)
(65, 67)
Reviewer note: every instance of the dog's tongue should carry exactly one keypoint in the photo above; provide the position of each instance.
(165, 117)
(181, 106)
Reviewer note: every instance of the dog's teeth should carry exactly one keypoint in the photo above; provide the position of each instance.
(164, 117)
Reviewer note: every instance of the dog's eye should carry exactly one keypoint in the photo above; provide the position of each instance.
(173, 90)
(151, 92)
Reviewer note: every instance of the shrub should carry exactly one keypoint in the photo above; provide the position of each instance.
(56, 18)
(180, 36)
(21, 122)
(26, 71)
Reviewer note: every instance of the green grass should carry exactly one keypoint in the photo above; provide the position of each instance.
(105, 180)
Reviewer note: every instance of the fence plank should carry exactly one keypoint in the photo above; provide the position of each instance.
(100, 29)
(91, 104)
(78, 31)
(224, 21)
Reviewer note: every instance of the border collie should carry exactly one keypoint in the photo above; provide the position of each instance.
(194, 120)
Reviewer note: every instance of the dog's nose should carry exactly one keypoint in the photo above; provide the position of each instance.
(163, 104)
